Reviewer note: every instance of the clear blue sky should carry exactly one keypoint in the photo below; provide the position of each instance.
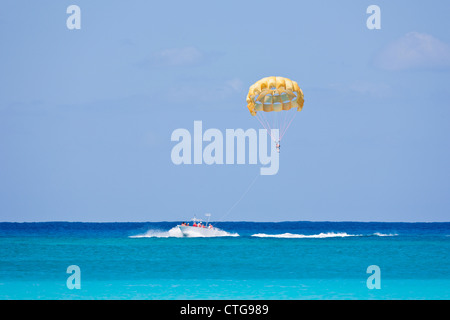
(86, 115)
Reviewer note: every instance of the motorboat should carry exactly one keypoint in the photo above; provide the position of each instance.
(200, 229)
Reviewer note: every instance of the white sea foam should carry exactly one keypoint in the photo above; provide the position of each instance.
(155, 233)
(385, 234)
(320, 235)
(175, 232)
(216, 232)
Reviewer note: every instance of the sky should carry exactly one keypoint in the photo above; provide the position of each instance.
(86, 115)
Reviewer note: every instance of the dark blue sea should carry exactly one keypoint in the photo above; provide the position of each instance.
(250, 260)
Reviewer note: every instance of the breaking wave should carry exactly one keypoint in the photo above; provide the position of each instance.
(155, 233)
(385, 235)
(176, 233)
(317, 236)
(291, 235)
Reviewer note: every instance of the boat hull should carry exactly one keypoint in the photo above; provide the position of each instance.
(190, 231)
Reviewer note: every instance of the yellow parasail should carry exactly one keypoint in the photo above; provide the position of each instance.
(274, 94)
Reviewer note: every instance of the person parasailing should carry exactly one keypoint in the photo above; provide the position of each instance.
(270, 100)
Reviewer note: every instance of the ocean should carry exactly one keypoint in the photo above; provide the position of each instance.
(250, 260)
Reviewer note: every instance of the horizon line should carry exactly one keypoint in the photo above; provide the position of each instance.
(173, 221)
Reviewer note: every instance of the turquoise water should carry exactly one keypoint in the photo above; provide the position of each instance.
(289, 260)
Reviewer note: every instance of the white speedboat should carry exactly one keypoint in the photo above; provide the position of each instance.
(199, 229)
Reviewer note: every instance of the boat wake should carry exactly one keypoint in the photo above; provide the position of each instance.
(175, 232)
(385, 235)
(317, 236)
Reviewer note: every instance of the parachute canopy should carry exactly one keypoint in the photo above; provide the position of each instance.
(274, 94)
(271, 95)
